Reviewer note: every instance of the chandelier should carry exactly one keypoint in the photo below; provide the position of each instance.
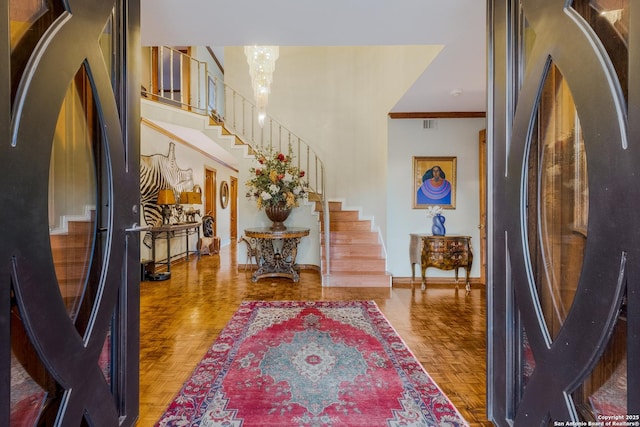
(262, 63)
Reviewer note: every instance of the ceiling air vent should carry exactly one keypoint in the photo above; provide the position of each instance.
(429, 124)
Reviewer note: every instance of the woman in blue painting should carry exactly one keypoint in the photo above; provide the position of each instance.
(435, 189)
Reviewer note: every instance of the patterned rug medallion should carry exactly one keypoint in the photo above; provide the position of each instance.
(310, 364)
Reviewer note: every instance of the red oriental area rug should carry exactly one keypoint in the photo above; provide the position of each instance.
(320, 363)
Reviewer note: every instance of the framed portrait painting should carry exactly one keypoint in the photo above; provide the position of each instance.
(434, 182)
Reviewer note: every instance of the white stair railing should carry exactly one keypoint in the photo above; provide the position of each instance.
(241, 119)
(178, 79)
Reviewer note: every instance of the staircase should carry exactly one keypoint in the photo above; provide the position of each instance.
(356, 255)
(71, 251)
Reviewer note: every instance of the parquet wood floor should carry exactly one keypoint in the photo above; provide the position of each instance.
(181, 317)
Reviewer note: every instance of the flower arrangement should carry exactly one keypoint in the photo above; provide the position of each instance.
(275, 180)
(433, 211)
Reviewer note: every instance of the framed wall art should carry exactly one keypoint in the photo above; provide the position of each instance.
(434, 182)
(224, 194)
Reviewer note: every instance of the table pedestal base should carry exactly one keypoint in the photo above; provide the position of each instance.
(277, 262)
(276, 251)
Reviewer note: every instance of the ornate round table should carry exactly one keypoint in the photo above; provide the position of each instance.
(276, 251)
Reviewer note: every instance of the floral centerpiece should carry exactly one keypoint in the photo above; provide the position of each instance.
(437, 228)
(433, 211)
(276, 184)
(275, 180)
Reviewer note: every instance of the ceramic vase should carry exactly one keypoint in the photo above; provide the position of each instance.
(277, 214)
(438, 225)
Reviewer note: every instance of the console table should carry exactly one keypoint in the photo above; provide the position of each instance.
(276, 251)
(170, 231)
(443, 252)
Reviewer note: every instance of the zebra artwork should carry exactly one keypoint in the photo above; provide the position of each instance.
(158, 171)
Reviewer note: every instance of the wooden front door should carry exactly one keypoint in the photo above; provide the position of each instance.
(564, 136)
(69, 165)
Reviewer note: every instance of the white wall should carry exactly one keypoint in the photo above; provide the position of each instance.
(451, 137)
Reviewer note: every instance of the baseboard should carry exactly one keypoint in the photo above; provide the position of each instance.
(252, 266)
(399, 281)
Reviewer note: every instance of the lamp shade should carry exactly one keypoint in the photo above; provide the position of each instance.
(190, 198)
(195, 198)
(166, 197)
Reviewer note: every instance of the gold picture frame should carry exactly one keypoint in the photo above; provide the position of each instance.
(224, 194)
(434, 182)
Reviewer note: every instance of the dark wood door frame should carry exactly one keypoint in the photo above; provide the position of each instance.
(482, 152)
(527, 38)
(29, 288)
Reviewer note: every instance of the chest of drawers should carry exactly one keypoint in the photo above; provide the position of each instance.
(443, 252)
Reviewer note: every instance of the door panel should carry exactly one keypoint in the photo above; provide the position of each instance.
(211, 194)
(557, 201)
(482, 178)
(73, 193)
(234, 208)
(69, 312)
(563, 163)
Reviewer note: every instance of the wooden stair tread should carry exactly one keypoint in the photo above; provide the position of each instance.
(342, 216)
(348, 238)
(360, 266)
(348, 226)
(314, 197)
(361, 250)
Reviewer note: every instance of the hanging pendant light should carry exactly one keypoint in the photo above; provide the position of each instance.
(262, 63)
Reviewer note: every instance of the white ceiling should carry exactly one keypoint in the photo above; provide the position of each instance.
(459, 25)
